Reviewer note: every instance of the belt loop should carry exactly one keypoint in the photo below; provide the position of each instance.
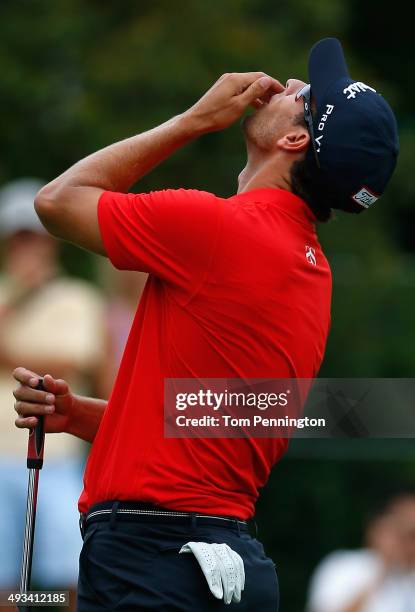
(114, 514)
(82, 524)
(238, 527)
(256, 528)
(193, 520)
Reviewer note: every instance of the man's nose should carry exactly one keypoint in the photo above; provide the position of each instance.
(292, 86)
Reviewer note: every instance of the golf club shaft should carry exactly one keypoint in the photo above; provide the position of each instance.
(34, 464)
(29, 530)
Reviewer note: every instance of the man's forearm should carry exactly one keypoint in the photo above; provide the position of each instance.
(120, 165)
(68, 206)
(86, 415)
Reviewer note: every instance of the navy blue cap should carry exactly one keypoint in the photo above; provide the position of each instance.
(355, 132)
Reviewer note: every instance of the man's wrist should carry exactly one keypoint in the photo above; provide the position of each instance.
(192, 124)
(72, 424)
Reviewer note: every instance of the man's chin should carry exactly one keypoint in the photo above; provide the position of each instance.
(255, 118)
(247, 123)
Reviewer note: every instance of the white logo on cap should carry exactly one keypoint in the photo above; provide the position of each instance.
(322, 125)
(310, 255)
(365, 197)
(354, 88)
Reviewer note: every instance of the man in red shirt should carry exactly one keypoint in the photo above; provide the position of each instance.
(238, 288)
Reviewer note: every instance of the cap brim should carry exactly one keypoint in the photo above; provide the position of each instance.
(326, 65)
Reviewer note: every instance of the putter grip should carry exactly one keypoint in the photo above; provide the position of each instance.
(36, 440)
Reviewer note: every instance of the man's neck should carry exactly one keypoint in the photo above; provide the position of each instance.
(262, 173)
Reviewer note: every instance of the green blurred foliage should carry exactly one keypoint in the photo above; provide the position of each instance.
(76, 75)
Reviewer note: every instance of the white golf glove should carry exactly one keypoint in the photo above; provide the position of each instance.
(223, 569)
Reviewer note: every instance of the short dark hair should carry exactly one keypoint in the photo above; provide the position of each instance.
(304, 185)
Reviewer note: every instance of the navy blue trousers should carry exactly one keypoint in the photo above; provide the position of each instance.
(136, 566)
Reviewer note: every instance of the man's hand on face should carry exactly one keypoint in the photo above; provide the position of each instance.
(225, 102)
(55, 402)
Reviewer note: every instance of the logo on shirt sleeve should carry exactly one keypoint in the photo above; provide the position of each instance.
(310, 255)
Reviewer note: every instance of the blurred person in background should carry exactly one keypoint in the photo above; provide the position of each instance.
(379, 577)
(55, 324)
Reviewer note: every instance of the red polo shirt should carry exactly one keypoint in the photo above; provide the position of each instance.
(238, 288)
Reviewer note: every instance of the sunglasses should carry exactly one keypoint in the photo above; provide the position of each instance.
(305, 94)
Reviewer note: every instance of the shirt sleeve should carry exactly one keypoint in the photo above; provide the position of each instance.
(169, 233)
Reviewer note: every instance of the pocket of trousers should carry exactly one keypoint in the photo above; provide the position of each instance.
(85, 587)
(179, 578)
(115, 563)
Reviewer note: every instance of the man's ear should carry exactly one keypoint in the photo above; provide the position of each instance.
(295, 141)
